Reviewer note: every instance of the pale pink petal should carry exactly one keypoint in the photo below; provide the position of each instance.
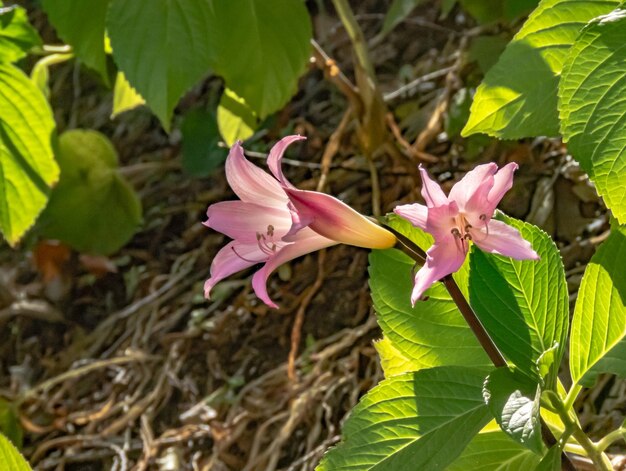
(441, 220)
(502, 182)
(471, 191)
(233, 257)
(336, 220)
(276, 155)
(299, 220)
(250, 183)
(416, 214)
(431, 191)
(242, 221)
(502, 239)
(306, 241)
(441, 260)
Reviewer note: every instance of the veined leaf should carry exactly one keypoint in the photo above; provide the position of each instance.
(592, 104)
(17, 35)
(10, 458)
(518, 97)
(392, 361)
(419, 420)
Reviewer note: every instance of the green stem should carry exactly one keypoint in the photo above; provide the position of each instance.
(571, 396)
(619, 434)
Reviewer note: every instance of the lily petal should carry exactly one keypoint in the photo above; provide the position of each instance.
(441, 259)
(441, 220)
(431, 190)
(276, 155)
(502, 182)
(336, 220)
(251, 183)
(231, 258)
(471, 191)
(306, 241)
(502, 239)
(416, 214)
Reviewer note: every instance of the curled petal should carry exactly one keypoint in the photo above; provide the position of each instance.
(441, 220)
(470, 193)
(502, 239)
(502, 182)
(242, 221)
(276, 155)
(250, 183)
(416, 214)
(336, 220)
(441, 259)
(306, 241)
(233, 257)
(431, 191)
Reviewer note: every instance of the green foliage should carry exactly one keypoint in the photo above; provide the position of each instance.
(523, 304)
(235, 119)
(392, 361)
(17, 35)
(81, 24)
(419, 420)
(398, 11)
(514, 402)
(125, 97)
(599, 322)
(10, 422)
(518, 97)
(201, 151)
(27, 166)
(551, 461)
(10, 458)
(93, 209)
(592, 107)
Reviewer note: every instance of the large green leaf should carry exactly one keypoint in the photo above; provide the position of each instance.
(10, 458)
(599, 322)
(523, 304)
(17, 35)
(81, 24)
(92, 209)
(201, 151)
(593, 109)
(163, 47)
(261, 47)
(392, 361)
(518, 97)
(494, 451)
(27, 166)
(419, 420)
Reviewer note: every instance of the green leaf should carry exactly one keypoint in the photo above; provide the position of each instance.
(518, 97)
(523, 304)
(551, 461)
(40, 73)
(514, 401)
(27, 166)
(201, 151)
(164, 47)
(599, 322)
(81, 24)
(392, 361)
(17, 35)
(125, 97)
(592, 107)
(10, 422)
(261, 47)
(92, 209)
(398, 11)
(494, 451)
(235, 119)
(419, 420)
(10, 458)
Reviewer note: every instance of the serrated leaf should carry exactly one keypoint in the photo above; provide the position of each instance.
(518, 97)
(27, 166)
(523, 304)
(201, 151)
(10, 458)
(92, 209)
(17, 35)
(419, 420)
(125, 97)
(392, 361)
(592, 107)
(494, 451)
(514, 401)
(81, 24)
(235, 119)
(599, 322)
(261, 47)
(398, 11)
(163, 47)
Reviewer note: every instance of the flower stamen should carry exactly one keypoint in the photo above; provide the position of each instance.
(246, 259)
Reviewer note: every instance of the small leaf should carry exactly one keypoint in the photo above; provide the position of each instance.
(201, 151)
(40, 73)
(125, 97)
(593, 109)
(514, 401)
(17, 36)
(92, 209)
(27, 166)
(398, 11)
(81, 24)
(10, 458)
(235, 119)
(420, 421)
(10, 422)
(551, 461)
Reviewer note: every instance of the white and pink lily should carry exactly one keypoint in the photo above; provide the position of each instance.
(464, 215)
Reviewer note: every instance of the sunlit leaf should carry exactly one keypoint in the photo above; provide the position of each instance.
(10, 458)
(17, 35)
(235, 119)
(125, 97)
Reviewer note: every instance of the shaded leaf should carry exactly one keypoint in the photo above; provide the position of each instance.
(398, 11)
(201, 151)
(10, 422)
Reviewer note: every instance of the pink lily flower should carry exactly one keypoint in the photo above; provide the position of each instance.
(257, 223)
(464, 215)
